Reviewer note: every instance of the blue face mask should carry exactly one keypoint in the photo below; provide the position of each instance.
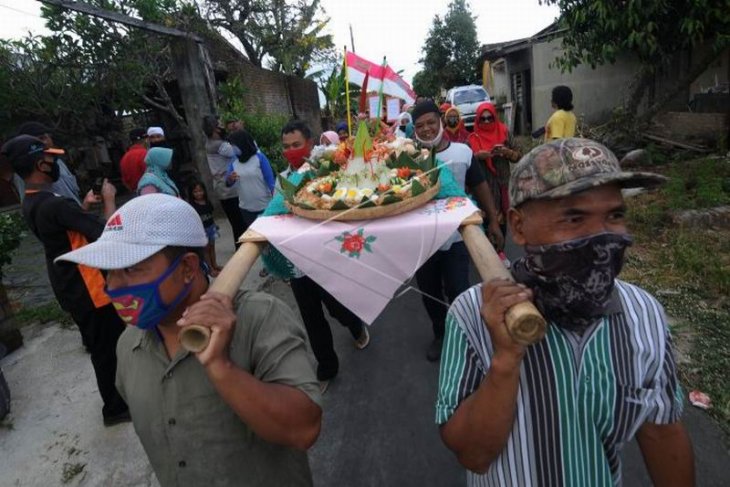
(141, 305)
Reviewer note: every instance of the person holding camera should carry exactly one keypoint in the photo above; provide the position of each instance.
(62, 225)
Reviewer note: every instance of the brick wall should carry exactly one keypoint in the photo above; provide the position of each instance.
(276, 93)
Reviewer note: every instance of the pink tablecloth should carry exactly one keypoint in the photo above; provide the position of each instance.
(363, 263)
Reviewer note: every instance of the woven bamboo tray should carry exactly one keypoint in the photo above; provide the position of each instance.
(371, 213)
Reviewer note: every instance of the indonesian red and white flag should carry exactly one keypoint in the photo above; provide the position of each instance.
(392, 84)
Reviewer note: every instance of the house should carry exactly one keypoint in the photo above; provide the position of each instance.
(521, 72)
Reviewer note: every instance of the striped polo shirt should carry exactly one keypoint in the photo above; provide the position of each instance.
(580, 397)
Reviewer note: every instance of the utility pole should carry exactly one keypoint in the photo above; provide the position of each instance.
(352, 39)
(192, 72)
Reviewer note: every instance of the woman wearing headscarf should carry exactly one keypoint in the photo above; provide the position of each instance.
(342, 131)
(454, 127)
(155, 178)
(492, 145)
(251, 175)
(404, 125)
(329, 138)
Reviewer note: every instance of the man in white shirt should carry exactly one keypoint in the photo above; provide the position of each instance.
(446, 274)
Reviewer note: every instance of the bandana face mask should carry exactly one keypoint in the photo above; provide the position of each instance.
(142, 305)
(573, 281)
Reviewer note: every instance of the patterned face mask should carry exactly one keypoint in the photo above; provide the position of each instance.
(573, 281)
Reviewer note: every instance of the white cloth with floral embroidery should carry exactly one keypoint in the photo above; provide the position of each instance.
(363, 263)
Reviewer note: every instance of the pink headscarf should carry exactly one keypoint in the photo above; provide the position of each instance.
(329, 138)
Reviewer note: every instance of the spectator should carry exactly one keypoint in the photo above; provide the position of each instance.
(61, 226)
(404, 126)
(233, 125)
(156, 137)
(155, 178)
(562, 122)
(455, 130)
(494, 148)
(220, 153)
(342, 131)
(66, 185)
(198, 199)
(241, 412)
(329, 138)
(251, 175)
(11, 185)
(132, 165)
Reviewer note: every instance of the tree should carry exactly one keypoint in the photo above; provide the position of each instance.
(451, 51)
(284, 36)
(131, 66)
(597, 31)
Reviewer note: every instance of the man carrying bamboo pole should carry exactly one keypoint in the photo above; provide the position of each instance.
(559, 411)
(241, 412)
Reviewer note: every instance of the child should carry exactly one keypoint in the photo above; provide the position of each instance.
(198, 198)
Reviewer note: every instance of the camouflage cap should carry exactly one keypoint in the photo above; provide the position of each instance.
(568, 166)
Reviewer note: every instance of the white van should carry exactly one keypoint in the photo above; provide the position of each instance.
(467, 99)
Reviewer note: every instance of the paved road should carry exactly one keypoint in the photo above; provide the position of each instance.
(378, 424)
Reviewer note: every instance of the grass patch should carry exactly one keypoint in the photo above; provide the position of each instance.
(71, 470)
(704, 183)
(688, 270)
(43, 314)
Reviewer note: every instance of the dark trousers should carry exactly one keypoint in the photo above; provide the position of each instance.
(310, 296)
(444, 276)
(233, 213)
(248, 217)
(100, 329)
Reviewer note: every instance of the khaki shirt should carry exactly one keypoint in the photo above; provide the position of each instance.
(191, 436)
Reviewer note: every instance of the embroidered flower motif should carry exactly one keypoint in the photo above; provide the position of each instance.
(444, 205)
(353, 244)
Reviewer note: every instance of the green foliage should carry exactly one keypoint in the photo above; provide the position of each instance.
(291, 34)
(264, 128)
(87, 70)
(689, 272)
(599, 30)
(700, 184)
(331, 82)
(12, 231)
(44, 313)
(450, 53)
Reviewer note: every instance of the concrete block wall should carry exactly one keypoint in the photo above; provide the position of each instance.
(596, 92)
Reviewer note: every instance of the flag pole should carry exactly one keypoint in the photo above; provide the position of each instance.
(380, 92)
(347, 96)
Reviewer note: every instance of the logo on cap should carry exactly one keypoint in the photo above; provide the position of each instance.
(115, 223)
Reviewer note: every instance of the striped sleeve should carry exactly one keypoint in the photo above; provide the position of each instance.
(668, 404)
(460, 374)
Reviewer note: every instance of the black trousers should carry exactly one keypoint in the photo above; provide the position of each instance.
(248, 217)
(444, 276)
(100, 329)
(233, 213)
(310, 297)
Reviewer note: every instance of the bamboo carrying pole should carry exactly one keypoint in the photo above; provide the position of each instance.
(524, 321)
